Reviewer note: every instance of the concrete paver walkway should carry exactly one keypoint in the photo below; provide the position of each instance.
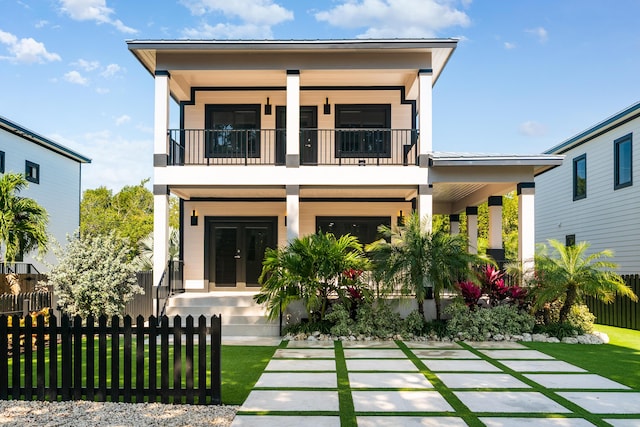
(431, 384)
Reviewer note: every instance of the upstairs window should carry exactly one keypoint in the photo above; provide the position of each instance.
(232, 131)
(622, 153)
(32, 172)
(580, 177)
(363, 130)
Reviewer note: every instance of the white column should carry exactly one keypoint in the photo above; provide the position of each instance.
(293, 118)
(425, 204)
(161, 114)
(526, 225)
(472, 229)
(293, 212)
(495, 222)
(160, 231)
(454, 224)
(425, 124)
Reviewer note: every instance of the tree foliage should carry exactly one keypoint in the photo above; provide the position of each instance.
(23, 222)
(94, 276)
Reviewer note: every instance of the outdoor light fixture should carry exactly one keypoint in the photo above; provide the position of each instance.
(267, 108)
(194, 218)
(400, 220)
(327, 107)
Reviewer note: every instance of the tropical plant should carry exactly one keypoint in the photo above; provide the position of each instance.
(310, 268)
(415, 258)
(23, 222)
(144, 262)
(569, 273)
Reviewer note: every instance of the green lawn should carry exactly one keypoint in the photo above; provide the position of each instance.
(241, 368)
(619, 360)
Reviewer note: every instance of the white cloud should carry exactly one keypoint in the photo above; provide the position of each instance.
(86, 65)
(532, 128)
(26, 50)
(76, 78)
(229, 31)
(540, 33)
(122, 120)
(42, 23)
(93, 10)
(396, 18)
(509, 45)
(258, 12)
(111, 70)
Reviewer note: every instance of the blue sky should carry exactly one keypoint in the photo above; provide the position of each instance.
(526, 75)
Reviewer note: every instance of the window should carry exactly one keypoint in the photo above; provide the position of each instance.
(232, 131)
(363, 130)
(580, 177)
(622, 151)
(570, 240)
(363, 227)
(1, 161)
(32, 172)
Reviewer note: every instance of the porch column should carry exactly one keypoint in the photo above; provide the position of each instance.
(160, 231)
(472, 229)
(293, 118)
(526, 225)
(293, 212)
(454, 224)
(425, 203)
(425, 86)
(161, 119)
(495, 249)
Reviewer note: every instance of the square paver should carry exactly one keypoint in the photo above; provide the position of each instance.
(298, 379)
(444, 354)
(399, 401)
(432, 344)
(509, 401)
(535, 422)
(478, 380)
(310, 344)
(497, 344)
(285, 421)
(581, 381)
(384, 365)
(304, 353)
(516, 354)
(388, 380)
(605, 402)
(294, 400)
(373, 353)
(369, 344)
(442, 365)
(301, 365)
(541, 366)
(409, 421)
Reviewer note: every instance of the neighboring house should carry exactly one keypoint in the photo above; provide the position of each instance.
(592, 197)
(53, 172)
(279, 139)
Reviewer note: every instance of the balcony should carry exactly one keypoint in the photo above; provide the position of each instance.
(318, 147)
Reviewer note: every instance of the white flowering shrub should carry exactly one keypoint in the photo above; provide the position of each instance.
(479, 324)
(94, 276)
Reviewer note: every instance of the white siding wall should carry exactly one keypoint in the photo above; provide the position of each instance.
(606, 218)
(58, 191)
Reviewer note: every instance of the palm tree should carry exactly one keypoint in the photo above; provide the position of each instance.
(570, 273)
(23, 222)
(144, 261)
(308, 268)
(416, 258)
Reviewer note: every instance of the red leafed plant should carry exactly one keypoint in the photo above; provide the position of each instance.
(470, 293)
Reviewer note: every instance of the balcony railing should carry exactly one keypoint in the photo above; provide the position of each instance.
(356, 147)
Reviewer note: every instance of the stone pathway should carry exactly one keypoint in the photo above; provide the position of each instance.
(431, 384)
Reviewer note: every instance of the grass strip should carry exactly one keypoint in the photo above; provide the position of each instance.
(241, 369)
(460, 408)
(347, 410)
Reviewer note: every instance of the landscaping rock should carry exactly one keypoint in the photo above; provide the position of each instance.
(552, 340)
(526, 337)
(498, 337)
(539, 337)
(602, 336)
(570, 340)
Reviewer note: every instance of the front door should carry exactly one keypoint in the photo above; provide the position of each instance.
(308, 135)
(234, 250)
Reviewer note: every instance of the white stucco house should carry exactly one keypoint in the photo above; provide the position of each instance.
(592, 196)
(54, 174)
(278, 139)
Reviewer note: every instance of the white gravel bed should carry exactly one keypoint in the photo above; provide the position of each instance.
(83, 413)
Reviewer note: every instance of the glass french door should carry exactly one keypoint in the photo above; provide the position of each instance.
(308, 135)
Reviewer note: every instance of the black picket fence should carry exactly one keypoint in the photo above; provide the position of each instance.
(160, 360)
(623, 312)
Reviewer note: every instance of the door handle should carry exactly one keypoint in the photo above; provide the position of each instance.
(237, 255)
(307, 145)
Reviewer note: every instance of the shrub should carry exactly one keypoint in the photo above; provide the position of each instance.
(414, 323)
(478, 325)
(377, 320)
(579, 317)
(558, 329)
(343, 324)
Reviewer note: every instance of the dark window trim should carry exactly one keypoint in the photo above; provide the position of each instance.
(616, 156)
(576, 160)
(382, 138)
(29, 167)
(1, 161)
(210, 133)
(570, 240)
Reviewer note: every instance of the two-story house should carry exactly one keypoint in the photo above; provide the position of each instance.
(278, 139)
(53, 172)
(592, 197)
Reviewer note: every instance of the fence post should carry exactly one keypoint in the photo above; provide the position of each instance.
(26, 306)
(4, 359)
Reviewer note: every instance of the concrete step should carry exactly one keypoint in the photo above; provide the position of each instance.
(215, 310)
(272, 330)
(206, 299)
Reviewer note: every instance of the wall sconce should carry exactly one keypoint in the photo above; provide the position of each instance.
(327, 107)
(400, 220)
(194, 218)
(267, 108)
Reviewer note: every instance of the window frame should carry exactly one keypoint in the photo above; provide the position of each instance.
(570, 240)
(212, 134)
(576, 161)
(617, 184)
(346, 133)
(29, 168)
(2, 161)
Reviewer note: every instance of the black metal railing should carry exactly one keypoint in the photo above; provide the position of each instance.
(17, 268)
(170, 283)
(355, 147)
